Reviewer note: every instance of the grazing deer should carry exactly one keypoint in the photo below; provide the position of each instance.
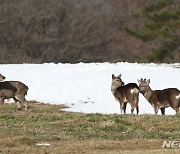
(160, 99)
(13, 89)
(125, 93)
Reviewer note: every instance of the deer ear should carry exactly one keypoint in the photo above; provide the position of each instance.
(119, 76)
(148, 81)
(139, 81)
(113, 76)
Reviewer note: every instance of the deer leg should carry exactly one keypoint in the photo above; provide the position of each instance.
(124, 107)
(137, 109)
(136, 104)
(132, 109)
(25, 105)
(156, 110)
(178, 110)
(163, 111)
(18, 103)
(2, 101)
(132, 106)
(22, 99)
(121, 107)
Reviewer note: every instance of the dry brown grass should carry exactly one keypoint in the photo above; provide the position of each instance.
(83, 133)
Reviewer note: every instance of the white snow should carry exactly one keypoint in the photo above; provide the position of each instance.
(87, 87)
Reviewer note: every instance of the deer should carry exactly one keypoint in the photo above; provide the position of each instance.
(160, 99)
(13, 89)
(124, 94)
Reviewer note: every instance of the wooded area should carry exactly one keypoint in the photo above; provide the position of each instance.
(37, 31)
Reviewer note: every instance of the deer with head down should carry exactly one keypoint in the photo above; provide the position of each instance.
(13, 89)
(160, 99)
(125, 93)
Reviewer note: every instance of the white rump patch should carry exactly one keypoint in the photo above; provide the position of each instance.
(135, 90)
(178, 96)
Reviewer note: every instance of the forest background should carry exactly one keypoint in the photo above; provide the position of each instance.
(72, 31)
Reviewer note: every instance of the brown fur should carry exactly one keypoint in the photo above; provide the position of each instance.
(160, 99)
(125, 93)
(14, 89)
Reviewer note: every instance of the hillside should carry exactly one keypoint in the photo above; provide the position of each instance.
(34, 31)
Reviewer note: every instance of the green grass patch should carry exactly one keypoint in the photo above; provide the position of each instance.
(47, 123)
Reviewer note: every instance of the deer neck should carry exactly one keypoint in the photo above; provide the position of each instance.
(148, 93)
(113, 89)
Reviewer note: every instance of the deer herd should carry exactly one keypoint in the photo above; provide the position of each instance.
(123, 93)
(129, 93)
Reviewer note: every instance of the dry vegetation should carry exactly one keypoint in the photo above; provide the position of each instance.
(83, 133)
(35, 31)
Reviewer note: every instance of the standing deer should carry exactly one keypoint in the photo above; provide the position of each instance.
(13, 89)
(125, 93)
(160, 99)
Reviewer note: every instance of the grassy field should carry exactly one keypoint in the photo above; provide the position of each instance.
(65, 132)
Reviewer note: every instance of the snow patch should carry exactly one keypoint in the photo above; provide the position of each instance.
(86, 87)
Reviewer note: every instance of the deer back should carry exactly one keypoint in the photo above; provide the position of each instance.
(127, 92)
(11, 88)
(21, 87)
(167, 96)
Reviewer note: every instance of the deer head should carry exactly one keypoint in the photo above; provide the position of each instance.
(143, 85)
(117, 81)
